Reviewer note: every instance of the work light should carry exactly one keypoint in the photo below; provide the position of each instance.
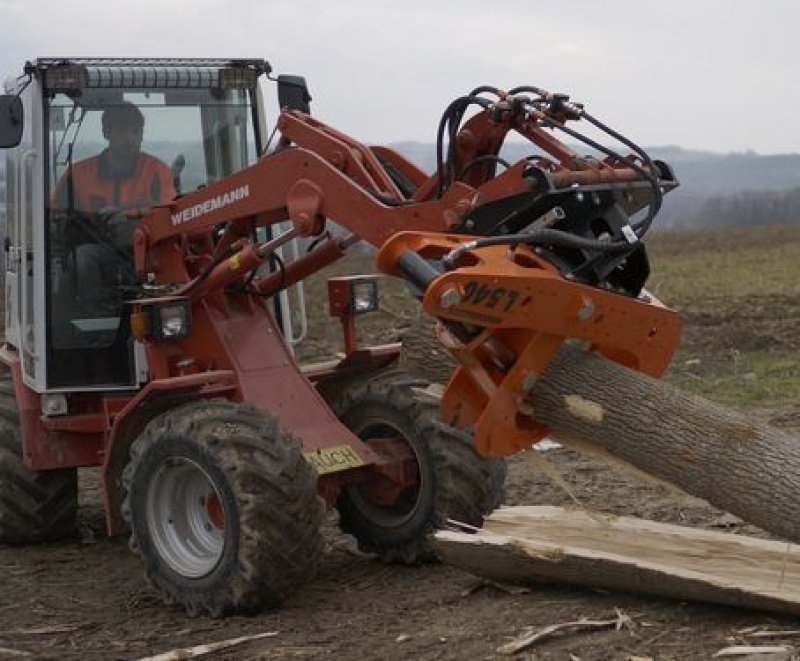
(162, 319)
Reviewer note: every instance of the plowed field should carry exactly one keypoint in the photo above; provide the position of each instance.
(739, 294)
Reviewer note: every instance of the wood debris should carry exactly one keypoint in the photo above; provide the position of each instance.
(202, 650)
(41, 631)
(540, 544)
(531, 637)
(772, 652)
(484, 584)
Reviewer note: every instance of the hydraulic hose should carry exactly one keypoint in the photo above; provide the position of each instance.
(537, 237)
(655, 205)
(546, 106)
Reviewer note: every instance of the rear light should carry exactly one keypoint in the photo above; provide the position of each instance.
(356, 294)
(350, 296)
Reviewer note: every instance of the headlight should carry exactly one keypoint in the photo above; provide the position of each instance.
(173, 320)
(162, 319)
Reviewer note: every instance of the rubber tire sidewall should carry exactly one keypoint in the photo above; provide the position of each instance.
(267, 490)
(421, 521)
(204, 588)
(51, 497)
(456, 481)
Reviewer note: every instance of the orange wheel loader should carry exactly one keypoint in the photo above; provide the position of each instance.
(159, 231)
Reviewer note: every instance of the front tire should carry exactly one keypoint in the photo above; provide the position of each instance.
(223, 508)
(35, 506)
(454, 482)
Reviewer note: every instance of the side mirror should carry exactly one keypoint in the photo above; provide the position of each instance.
(293, 93)
(10, 120)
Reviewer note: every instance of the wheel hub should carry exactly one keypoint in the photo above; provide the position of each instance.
(186, 517)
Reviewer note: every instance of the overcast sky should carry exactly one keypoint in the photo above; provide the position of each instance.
(706, 74)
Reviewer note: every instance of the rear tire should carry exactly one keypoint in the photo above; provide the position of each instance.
(455, 482)
(223, 508)
(35, 506)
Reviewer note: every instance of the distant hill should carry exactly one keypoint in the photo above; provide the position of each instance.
(716, 190)
(709, 183)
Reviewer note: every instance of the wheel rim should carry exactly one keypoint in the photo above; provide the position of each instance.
(389, 516)
(185, 517)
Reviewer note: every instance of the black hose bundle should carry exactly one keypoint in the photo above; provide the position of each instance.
(550, 110)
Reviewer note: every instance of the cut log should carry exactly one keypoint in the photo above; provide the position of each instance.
(555, 545)
(733, 461)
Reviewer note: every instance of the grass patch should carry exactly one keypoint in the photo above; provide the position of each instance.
(732, 263)
(749, 379)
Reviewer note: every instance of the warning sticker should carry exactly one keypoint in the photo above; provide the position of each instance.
(334, 458)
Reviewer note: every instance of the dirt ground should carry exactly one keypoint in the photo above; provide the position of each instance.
(87, 598)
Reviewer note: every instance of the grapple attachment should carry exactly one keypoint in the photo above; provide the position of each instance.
(503, 315)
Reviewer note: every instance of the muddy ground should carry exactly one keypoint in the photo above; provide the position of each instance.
(87, 598)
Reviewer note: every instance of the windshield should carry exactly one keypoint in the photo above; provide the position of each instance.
(201, 134)
(113, 154)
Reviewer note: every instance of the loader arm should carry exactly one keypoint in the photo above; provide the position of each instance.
(512, 263)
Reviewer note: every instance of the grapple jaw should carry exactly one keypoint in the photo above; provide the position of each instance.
(504, 313)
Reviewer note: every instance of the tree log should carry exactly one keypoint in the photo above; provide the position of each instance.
(423, 355)
(556, 545)
(733, 461)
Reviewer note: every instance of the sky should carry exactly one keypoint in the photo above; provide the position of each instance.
(701, 74)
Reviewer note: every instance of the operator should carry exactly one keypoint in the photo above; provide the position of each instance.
(102, 198)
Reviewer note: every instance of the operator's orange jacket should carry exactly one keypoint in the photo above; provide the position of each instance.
(89, 186)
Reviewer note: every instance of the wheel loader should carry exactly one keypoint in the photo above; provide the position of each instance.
(218, 451)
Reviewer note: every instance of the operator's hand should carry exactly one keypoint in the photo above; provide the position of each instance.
(120, 224)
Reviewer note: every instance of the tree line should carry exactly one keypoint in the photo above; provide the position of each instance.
(749, 208)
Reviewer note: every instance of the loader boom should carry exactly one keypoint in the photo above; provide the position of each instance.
(512, 263)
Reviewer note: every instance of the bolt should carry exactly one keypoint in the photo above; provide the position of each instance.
(525, 408)
(449, 298)
(528, 381)
(586, 310)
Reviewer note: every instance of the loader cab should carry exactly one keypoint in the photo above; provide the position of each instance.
(70, 211)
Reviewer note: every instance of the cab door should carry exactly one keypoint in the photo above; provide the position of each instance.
(24, 263)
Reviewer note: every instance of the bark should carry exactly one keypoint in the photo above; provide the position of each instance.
(423, 355)
(730, 459)
(733, 461)
(552, 544)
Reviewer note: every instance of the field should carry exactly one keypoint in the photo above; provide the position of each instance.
(739, 295)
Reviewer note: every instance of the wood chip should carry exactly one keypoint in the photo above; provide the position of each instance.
(500, 587)
(532, 637)
(39, 631)
(775, 651)
(201, 650)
